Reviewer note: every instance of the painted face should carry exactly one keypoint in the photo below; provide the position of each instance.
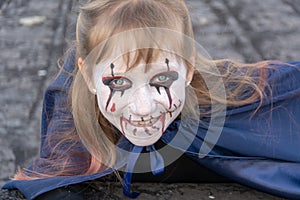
(141, 103)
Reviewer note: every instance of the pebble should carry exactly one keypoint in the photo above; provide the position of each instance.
(32, 20)
(42, 72)
(203, 21)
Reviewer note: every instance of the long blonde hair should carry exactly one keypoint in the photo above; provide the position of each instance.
(99, 20)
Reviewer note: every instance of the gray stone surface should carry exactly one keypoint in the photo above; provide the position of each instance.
(28, 56)
(245, 30)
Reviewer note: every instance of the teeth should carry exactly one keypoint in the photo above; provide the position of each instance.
(141, 123)
(144, 122)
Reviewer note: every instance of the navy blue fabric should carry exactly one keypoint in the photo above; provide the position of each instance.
(260, 150)
(129, 170)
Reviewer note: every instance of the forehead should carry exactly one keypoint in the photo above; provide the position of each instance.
(134, 61)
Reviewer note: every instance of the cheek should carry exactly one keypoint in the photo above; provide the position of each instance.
(170, 99)
(102, 97)
(160, 98)
(113, 108)
(178, 99)
(178, 89)
(110, 102)
(178, 95)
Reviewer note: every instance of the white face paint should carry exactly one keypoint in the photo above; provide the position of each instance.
(140, 103)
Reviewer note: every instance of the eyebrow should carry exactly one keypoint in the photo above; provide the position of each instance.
(112, 66)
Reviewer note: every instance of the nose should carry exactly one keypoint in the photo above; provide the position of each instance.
(142, 102)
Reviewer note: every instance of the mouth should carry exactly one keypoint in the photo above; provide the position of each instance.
(144, 123)
(149, 124)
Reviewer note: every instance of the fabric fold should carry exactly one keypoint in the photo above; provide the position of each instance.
(156, 163)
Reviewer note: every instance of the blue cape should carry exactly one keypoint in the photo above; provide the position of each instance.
(261, 151)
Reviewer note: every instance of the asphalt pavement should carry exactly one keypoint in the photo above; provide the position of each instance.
(34, 34)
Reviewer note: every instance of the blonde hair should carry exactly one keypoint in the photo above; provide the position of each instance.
(99, 20)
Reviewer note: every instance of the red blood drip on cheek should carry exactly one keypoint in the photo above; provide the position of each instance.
(113, 108)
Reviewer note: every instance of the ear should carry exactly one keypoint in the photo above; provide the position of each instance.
(80, 66)
(189, 75)
(80, 63)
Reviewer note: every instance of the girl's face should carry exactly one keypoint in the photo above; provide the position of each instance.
(141, 103)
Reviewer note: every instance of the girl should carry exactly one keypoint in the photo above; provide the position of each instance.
(137, 95)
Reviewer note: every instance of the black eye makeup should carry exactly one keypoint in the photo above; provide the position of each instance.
(164, 80)
(121, 83)
(116, 84)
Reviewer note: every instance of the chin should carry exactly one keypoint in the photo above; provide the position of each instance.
(145, 141)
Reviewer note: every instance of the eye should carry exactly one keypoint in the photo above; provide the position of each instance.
(164, 79)
(120, 84)
(117, 83)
